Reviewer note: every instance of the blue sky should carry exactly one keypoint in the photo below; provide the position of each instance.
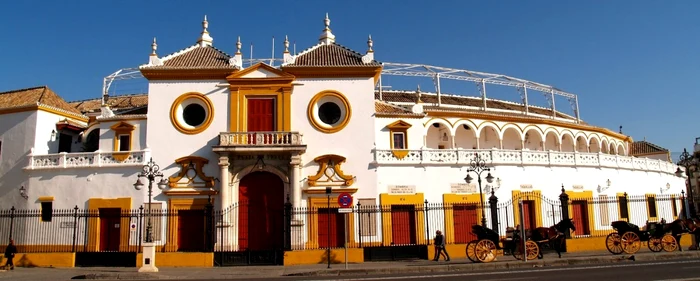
(632, 63)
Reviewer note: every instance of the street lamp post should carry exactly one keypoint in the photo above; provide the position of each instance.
(150, 171)
(478, 165)
(687, 160)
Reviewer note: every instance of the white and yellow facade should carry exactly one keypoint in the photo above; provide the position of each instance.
(265, 119)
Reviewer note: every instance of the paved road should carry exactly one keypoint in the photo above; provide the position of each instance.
(676, 270)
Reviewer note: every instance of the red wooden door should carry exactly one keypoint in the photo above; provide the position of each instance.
(464, 216)
(110, 228)
(403, 224)
(261, 212)
(191, 230)
(529, 214)
(333, 222)
(580, 217)
(261, 118)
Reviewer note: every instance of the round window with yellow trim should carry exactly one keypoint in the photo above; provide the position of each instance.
(329, 111)
(192, 113)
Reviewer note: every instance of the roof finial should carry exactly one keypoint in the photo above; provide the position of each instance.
(205, 39)
(620, 129)
(419, 94)
(154, 47)
(238, 45)
(286, 44)
(370, 44)
(327, 36)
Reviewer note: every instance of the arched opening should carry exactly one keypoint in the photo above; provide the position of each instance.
(92, 141)
(594, 145)
(581, 144)
(621, 150)
(512, 139)
(604, 148)
(465, 137)
(533, 140)
(612, 149)
(261, 212)
(439, 136)
(567, 143)
(488, 138)
(551, 141)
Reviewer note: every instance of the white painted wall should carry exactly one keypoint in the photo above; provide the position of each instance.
(17, 135)
(167, 143)
(139, 137)
(355, 141)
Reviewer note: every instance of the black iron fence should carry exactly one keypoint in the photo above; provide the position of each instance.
(247, 232)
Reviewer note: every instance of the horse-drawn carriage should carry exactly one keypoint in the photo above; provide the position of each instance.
(628, 238)
(488, 245)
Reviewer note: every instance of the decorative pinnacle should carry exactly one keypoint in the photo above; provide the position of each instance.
(370, 44)
(205, 24)
(286, 44)
(327, 36)
(238, 45)
(154, 47)
(419, 94)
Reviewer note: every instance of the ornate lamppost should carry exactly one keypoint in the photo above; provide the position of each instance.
(687, 160)
(150, 171)
(478, 165)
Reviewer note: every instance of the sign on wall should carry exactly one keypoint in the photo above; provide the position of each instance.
(402, 189)
(525, 186)
(577, 187)
(463, 188)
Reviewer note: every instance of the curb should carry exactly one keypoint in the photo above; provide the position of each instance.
(121, 276)
(499, 265)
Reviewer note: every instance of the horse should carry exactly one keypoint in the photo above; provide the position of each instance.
(554, 235)
(690, 226)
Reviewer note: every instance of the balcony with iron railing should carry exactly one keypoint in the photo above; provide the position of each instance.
(260, 142)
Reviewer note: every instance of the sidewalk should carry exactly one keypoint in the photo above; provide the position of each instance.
(250, 272)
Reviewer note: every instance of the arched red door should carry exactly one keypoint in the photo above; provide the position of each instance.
(261, 212)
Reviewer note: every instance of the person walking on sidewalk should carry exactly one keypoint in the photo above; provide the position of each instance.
(10, 252)
(440, 247)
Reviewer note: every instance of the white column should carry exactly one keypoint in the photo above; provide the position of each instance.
(294, 178)
(224, 177)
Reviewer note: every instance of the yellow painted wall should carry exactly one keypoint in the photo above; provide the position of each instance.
(598, 244)
(180, 260)
(456, 251)
(321, 256)
(42, 260)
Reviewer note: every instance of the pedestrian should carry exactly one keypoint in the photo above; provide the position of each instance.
(440, 247)
(10, 252)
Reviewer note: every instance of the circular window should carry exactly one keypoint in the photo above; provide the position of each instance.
(194, 114)
(329, 112)
(191, 113)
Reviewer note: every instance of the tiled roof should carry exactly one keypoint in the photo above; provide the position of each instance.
(195, 57)
(645, 147)
(34, 96)
(381, 107)
(116, 103)
(431, 99)
(333, 54)
(66, 122)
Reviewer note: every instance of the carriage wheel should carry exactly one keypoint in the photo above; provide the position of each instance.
(485, 250)
(630, 242)
(669, 243)
(654, 244)
(532, 250)
(471, 251)
(613, 243)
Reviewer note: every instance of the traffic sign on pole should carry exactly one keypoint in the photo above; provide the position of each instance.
(345, 200)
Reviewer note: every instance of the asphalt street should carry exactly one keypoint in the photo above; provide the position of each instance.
(679, 270)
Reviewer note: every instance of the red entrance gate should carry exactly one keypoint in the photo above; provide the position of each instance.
(261, 212)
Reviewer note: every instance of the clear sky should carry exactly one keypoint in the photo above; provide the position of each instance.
(632, 63)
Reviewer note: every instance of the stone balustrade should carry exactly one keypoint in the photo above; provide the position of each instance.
(88, 159)
(260, 139)
(522, 158)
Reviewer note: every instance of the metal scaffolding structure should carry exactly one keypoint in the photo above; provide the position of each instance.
(436, 73)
